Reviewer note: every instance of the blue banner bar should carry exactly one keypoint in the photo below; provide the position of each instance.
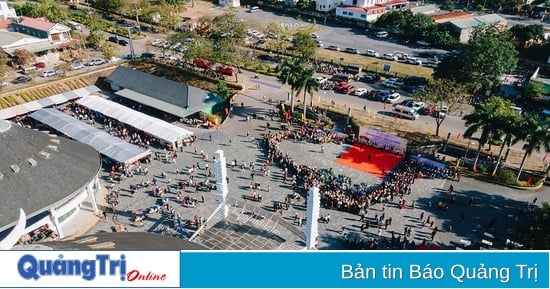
(365, 269)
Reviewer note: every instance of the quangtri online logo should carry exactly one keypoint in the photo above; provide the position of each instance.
(31, 268)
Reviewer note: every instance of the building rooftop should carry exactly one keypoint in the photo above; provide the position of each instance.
(447, 16)
(36, 23)
(426, 9)
(38, 170)
(478, 20)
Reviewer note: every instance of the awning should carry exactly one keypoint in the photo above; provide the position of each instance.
(36, 47)
(7, 113)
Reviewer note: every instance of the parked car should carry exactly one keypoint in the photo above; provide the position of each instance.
(122, 42)
(360, 91)
(412, 60)
(132, 56)
(351, 50)
(202, 63)
(340, 85)
(314, 36)
(418, 105)
(49, 73)
(22, 79)
(226, 70)
(382, 34)
(122, 22)
(390, 56)
(393, 98)
(96, 61)
(422, 43)
(113, 39)
(319, 43)
(40, 65)
(148, 55)
(370, 77)
(372, 53)
(333, 47)
(77, 65)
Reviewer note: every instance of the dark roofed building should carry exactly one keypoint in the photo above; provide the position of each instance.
(46, 176)
(163, 94)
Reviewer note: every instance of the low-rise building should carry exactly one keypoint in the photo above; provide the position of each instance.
(12, 41)
(58, 34)
(230, 3)
(368, 10)
(327, 5)
(464, 27)
(6, 12)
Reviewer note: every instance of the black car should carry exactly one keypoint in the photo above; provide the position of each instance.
(370, 77)
(113, 39)
(148, 55)
(122, 22)
(267, 57)
(22, 79)
(122, 42)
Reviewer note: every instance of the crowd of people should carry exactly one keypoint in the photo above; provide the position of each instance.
(338, 192)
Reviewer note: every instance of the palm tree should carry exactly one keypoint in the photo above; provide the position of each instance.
(309, 84)
(536, 135)
(290, 71)
(510, 128)
(484, 118)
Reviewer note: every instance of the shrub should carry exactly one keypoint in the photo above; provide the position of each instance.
(506, 175)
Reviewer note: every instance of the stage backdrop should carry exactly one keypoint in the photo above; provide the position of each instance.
(383, 140)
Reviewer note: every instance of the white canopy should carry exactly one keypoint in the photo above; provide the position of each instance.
(108, 145)
(153, 126)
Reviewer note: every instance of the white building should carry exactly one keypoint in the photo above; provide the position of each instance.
(327, 5)
(6, 12)
(230, 3)
(368, 10)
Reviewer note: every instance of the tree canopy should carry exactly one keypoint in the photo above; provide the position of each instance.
(535, 233)
(482, 61)
(441, 92)
(304, 45)
(524, 33)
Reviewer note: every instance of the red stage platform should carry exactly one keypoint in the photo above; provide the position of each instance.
(357, 157)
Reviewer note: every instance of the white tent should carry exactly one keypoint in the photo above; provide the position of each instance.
(158, 128)
(108, 145)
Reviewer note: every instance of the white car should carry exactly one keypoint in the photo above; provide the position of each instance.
(314, 36)
(393, 98)
(333, 47)
(321, 79)
(78, 65)
(48, 73)
(351, 50)
(422, 43)
(360, 91)
(418, 105)
(372, 53)
(412, 60)
(390, 56)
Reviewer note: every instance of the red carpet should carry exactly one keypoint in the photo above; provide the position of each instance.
(357, 157)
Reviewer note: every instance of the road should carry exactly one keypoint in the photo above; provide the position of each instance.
(515, 19)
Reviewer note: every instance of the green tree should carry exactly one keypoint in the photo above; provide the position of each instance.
(222, 90)
(277, 33)
(290, 70)
(109, 5)
(109, 50)
(486, 118)
(506, 128)
(95, 39)
(448, 5)
(482, 61)
(527, 33)
(23, 57)
(304, 45)
(393, 19)
(534, 234)
(535, 133)
(534, 89)
(441, 92)
(417, 25)
(309, 85)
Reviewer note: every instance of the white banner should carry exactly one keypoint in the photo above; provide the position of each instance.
(90, 269)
